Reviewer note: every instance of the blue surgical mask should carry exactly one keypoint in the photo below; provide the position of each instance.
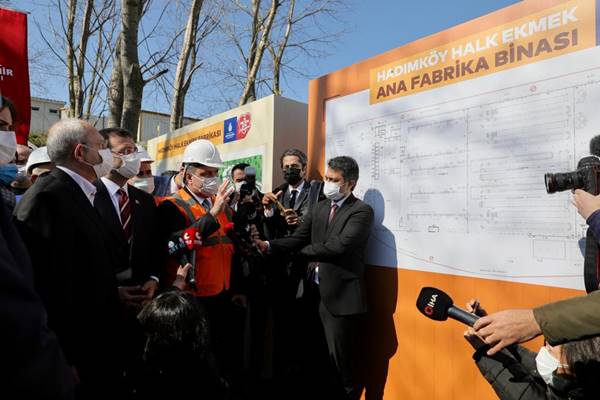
(8, 173)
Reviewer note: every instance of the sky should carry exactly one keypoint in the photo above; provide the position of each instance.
(371, 27)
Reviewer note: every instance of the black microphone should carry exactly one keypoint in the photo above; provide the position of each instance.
(178, 248)
(437, 305)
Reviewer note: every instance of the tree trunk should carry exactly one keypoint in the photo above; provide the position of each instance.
(249, 92)
(78, 89)
(133, 83)
(278, 56)
(115, 88)
(71, 55)
(181, 84)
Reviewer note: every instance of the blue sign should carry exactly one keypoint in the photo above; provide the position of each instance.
(230, 130)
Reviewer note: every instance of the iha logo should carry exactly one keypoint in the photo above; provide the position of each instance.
(431, 304)
(5, 72)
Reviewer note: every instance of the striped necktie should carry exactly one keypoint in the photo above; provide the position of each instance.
(125, 208)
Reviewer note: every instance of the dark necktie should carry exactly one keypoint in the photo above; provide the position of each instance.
(293, 198)
(334, 208)
(125, 208)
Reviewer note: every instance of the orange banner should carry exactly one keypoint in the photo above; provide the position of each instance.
(550, 33)
(175, 146)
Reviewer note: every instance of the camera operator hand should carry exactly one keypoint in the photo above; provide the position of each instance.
(222, 198)
(507, 327)
(291, 217)
(182, 272)
(270, 198)
(585, 203)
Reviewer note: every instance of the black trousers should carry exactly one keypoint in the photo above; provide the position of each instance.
(344, 342)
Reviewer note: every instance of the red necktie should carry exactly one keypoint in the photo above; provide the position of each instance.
(334, 208)
(125, 208)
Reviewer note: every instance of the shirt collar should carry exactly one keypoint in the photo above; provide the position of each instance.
(299, 188)
(86, 186)
(339, 203)
(199, 199)
(113, 187)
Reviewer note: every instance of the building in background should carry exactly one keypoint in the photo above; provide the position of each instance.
(45, 112)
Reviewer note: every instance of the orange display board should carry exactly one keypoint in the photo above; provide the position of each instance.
(414, 357)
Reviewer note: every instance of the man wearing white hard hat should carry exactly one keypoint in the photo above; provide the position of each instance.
(38, 164)
(200, 210)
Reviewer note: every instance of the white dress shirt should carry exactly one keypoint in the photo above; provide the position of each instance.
(86, 186)
(113, 191)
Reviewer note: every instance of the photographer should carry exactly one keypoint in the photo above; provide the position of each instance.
(565, 371)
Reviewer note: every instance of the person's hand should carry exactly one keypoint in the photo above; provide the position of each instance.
(240, 300)
(149, 288)
(261, 245)
(506, 327)
(270, 198)
(180, 279)
(254, 234)
(585, 203)
(132, 296)
(474, 339)
(291, 217)
(221, 198)
(474, 307)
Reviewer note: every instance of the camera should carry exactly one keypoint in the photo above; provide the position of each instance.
(585, 177)
(248, 188)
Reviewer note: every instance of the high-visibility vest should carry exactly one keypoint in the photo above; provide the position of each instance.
(213, 258)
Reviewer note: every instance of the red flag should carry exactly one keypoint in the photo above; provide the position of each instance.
(14, 68)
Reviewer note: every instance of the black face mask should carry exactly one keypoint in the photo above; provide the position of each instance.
(292, 175)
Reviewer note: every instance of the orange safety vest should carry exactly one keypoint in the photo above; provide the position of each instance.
(213, 258)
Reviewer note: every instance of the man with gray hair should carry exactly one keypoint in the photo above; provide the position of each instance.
(72, 263)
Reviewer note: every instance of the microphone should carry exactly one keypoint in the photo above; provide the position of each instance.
(437, 305)
(183, 247)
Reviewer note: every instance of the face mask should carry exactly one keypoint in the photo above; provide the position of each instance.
(292, 175)
(105, 166)
(8, 146)
(145, 184)
(331, 190)
(238, 186)
(546, 365)
(208, 186)
(130, 167)
(8, 173)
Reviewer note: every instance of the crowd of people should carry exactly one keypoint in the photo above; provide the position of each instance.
(120, 284)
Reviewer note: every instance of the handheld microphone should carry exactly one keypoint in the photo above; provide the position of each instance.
(437, 305)
(192, 239)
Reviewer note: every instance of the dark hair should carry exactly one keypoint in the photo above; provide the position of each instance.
(175, 326)
(294, 152)
(241, 166)
(346, 165)
(583, 359)
(7, 103)
(595, 146)
(121, 132)
(169, 173)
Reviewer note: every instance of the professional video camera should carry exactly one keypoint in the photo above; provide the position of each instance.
(586, 177)
(248, 188)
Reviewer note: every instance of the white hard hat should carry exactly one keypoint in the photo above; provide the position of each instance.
(202, 152)
(38, 156)
(144, 156)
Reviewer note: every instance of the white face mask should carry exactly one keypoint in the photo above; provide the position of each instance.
(145, 184)
(208, 186)
(332, 191)
(546, 364)
(130, 166)
(8, 146)
(238, 186)
(105, 166)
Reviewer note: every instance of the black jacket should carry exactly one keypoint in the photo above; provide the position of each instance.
(144, 255)
(513, 376)
(339, 248)
(74, 270)
(33, 365)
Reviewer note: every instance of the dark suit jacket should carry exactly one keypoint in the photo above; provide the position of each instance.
(162, 186)
(73, 270)
(339, 248)
(144, 256)
(33, 365)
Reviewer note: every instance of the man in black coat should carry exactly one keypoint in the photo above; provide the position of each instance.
(333, 236)
(33, 364)
(72, 262)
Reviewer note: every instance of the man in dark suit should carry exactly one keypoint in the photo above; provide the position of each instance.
(33, 364)
(72, 262)
(333, 236)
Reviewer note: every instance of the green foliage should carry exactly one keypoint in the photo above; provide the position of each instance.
(38, 138)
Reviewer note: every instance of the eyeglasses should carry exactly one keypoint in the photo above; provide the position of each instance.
(5, 126)
(128, 152)
(144, 174)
